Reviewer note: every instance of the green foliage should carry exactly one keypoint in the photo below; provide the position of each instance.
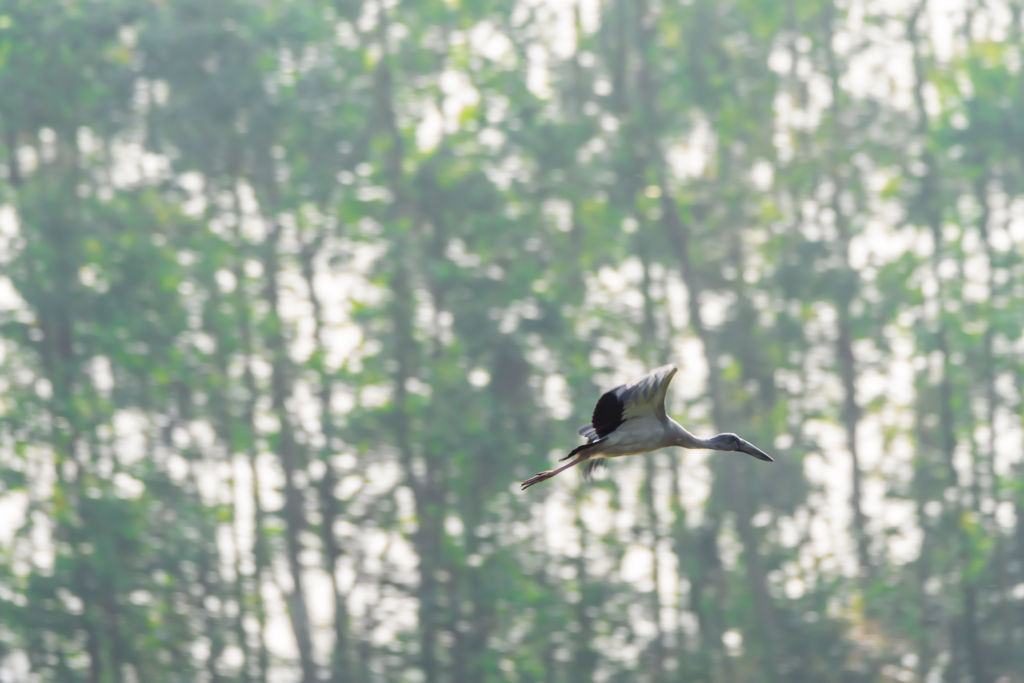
(293, 294)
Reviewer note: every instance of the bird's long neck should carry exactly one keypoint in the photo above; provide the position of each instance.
(682, 437)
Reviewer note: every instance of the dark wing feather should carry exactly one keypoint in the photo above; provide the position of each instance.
(607, 413)
(639, 397)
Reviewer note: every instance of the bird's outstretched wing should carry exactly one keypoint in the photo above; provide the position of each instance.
(644, 396)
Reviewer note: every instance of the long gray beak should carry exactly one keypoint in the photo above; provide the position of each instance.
(751, 449)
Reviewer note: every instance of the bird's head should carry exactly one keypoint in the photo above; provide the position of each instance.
(731, 442)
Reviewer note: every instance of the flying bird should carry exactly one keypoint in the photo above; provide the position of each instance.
(631, 419)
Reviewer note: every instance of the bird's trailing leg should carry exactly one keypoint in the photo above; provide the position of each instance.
(537, 478)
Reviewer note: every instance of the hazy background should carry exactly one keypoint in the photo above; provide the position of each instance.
(293, 295)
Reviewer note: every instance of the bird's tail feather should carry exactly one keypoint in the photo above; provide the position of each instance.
(578, 449)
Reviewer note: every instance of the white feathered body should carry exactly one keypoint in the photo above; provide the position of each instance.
(638, 435)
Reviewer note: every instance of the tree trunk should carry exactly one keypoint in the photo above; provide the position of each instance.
(329, 512)
(288, 452)
(848, 285)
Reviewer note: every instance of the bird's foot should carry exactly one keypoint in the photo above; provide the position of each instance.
(536, 479)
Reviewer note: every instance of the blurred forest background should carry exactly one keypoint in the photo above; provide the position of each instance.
(293, 295)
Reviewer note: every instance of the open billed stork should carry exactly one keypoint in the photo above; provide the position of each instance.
(631, 419)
